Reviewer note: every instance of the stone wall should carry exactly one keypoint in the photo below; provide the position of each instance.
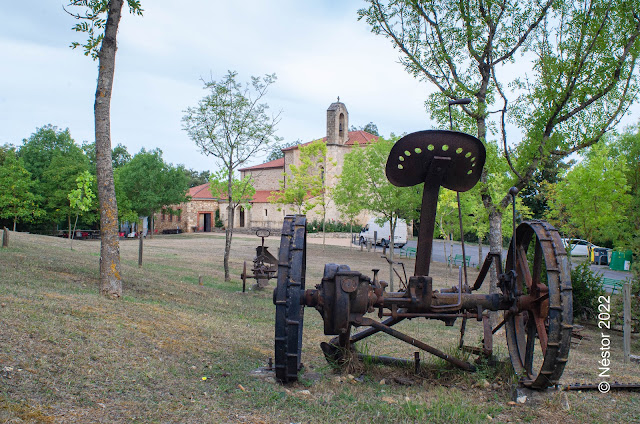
(265, 179)
(190, 218)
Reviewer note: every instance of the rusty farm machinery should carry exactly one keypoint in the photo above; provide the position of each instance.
(264, 267)
(535, 294)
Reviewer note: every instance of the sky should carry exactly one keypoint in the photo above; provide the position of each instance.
(318, 50)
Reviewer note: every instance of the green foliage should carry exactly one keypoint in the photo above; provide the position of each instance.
(39, 149)
(17, 202)
(371, 128)
(587, 286)
(197, 178)
(242, 190)
(592, 200)
(151, 184)
(363, 186)
(303, 186)
(93, 22)
(276, 152)
(81, 198)
(217, 221)
(332, 226)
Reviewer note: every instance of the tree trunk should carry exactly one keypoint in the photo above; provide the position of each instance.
(479, 251)
(15, 219)
(110, 277)
(495, 244)
(227, 243)
(70, 232)
(74, 229)
(140, 237)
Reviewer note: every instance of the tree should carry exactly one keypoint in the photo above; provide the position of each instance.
(102, 46)
(593, 198)
(119, 155)
(232, 125)
(39, 149)
(197, 178)
(242, 190)
(17, 201)
(582, 57)
(304, 185)
(275, 152)
(80, 200)
(150, 184)
(363, 186)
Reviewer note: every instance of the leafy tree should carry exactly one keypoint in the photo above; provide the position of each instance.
(582, 57)
(58, 180)
(39, 149)
(304, 184)
(17, 201)
(150, 184)
(196, 178)
(232, 125)
(80, 200)
(119, 155)
(363, 186)
(275, 152)
(628, 151)
(593, 198)
(371, 128)
(101, 45)
(242, 191)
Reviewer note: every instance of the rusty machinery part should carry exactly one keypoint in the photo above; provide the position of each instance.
(411, 157)
(263, 232)
(539, 324)
(287, 298)
(244, 276)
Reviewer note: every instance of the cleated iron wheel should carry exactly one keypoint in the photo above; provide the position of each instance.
(287, 298)
(539, 333)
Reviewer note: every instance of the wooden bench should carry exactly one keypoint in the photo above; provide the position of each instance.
(610, 284)
(408, 252)
(457, 260)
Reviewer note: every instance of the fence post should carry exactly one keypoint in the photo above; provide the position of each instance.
(626, 326)
(5, 237)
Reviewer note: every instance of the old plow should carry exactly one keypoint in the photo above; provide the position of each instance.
(535, 295)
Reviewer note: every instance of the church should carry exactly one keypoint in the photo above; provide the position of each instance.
(199, 214)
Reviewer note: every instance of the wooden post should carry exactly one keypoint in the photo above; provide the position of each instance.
(140, 249)
(626, 326)
(200, 280)
(5, 237)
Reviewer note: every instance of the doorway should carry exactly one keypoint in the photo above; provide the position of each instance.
(204, 222)
(241, 217)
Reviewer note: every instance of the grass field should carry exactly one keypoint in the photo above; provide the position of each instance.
(173, 351)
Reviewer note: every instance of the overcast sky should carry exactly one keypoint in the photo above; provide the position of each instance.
(318, 49)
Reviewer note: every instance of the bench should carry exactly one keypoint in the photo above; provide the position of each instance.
(409, 252)
(457, 260)
(610, 284)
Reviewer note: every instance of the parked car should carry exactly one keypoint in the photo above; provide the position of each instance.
(579, 247)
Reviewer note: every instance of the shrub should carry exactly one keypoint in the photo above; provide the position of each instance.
(332, 226)
(217, 221)
(587, 286)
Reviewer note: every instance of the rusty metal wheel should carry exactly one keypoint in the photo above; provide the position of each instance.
(287, 296)
(539, 327)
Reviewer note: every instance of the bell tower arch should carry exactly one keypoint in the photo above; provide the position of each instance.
(337, 123)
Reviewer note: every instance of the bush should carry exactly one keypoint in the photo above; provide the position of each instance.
(332, 226)
(587, 286)
(217, 221)
(617, 306)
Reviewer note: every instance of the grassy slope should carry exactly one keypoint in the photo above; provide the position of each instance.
(69, 355)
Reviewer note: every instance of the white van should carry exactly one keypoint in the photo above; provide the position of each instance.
(383, 233)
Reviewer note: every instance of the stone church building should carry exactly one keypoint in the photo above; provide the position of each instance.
(199, 213)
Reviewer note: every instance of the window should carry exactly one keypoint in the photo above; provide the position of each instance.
(179, 215)
(170, 217)
(265, 212)
(163, 215)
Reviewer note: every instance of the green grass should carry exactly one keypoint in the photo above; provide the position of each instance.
(78, 357)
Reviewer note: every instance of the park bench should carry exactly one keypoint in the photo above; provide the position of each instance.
(457, 260)
(408, 252)
(610, 284)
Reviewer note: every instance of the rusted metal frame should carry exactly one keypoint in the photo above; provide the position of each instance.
(370, 331)
(432, 184)
(485, 269)
(417, 343)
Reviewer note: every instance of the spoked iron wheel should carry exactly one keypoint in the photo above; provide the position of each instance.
(539, 333)
(287, 296)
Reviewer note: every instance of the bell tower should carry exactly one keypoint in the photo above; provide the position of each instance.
(337, 123)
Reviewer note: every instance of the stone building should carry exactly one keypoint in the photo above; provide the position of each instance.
(198, 215)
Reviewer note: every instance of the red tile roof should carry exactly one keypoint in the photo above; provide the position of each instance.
(359, 137)
(201, 192)
(277, 163)
(262, 196)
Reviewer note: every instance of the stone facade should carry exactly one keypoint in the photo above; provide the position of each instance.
(267, 178)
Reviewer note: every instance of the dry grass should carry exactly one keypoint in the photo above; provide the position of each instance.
(68, 355)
